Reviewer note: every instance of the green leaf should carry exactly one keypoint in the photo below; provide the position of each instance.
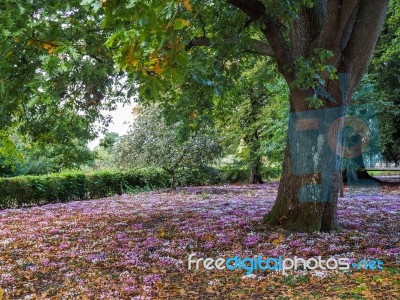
(96, 4)
(180, 24)
(132, 3)
(176, 75)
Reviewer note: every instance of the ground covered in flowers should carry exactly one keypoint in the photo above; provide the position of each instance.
(137, 247)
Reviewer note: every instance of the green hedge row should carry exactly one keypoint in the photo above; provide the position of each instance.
(63, 187)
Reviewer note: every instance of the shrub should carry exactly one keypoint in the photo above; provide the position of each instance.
(201, 175)
(272, 171)
(63, 187)
(234, 174)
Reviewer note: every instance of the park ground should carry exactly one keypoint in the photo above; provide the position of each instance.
(137, 247)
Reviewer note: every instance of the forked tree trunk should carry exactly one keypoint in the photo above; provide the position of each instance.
(349, 29)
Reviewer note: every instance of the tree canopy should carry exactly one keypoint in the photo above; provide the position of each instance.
(55, 73)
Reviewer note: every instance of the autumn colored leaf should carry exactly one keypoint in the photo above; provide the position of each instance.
(278, 240)
(187, 5)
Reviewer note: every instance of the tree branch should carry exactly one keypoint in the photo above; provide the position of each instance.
(100, 29)
(256, 10)
(253, 45)
(363, 39)
(258, 47)
(94, 57)
(329, 25)
(339, 13)
(345, 11)
(197, 42)
(282, 53)
(253, 8)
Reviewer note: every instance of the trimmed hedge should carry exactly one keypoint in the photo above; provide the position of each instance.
(64, 187)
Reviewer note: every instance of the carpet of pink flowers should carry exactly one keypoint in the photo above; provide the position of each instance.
(136, 247)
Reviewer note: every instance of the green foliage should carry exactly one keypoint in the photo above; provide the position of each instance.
(62, 187)
(287, 11)
(152, 43)
(252, 116)
(370, 91)
(6, 168)
(56, 74)
(109, 141)
(235, 173)
(312, 72)
(43, 158)
(9, 153)
(105, 152)
(153, 142)
(201, 175)
(155, 43)
(70, 186)
(152, 39)
(271, 171)
(381, 86)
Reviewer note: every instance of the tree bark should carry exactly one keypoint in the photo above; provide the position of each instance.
(172, 178)
(288, 212)
(350, 30)
(255, 158)
(255, 176)
(316, 213)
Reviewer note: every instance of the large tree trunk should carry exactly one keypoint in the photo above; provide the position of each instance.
(292, 214)
(310, 182)
(350, 30)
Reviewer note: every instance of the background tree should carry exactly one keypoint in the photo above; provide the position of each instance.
(37, 158)
(383, 83)
(109, 141)
(380, 86)
(251, 116)
(105, 151)
(153, 142)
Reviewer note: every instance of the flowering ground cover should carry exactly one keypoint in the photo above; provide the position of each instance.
(137, 247)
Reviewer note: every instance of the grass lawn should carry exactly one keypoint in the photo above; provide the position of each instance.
(137, 246)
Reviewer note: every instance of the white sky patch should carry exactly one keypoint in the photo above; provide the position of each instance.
(121, 119)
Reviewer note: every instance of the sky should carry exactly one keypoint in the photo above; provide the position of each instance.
(120, 119)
